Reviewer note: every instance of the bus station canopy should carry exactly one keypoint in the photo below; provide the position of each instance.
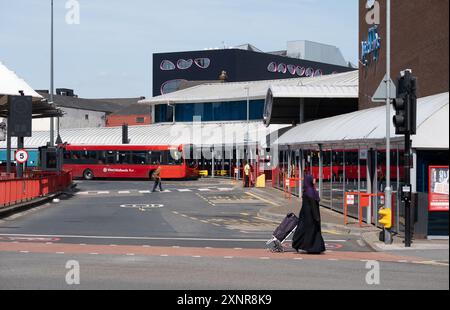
(257, 90)
(369, 126)
(12, 85)
(201, 135)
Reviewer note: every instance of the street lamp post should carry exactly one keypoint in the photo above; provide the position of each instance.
(52, 120)
(388, 190)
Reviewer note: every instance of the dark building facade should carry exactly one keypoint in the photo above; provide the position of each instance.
(172, 69)
(419, 41)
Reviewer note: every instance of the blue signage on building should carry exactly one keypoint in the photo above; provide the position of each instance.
(371, 46)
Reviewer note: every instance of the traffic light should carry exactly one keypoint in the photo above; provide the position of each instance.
(405, 105)
(401, 114)
(385, 217)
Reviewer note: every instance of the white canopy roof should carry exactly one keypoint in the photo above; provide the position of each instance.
(202, 134)
(340, 84)
(11, 84)
(370, 125)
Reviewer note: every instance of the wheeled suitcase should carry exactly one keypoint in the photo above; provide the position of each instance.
(283, 231)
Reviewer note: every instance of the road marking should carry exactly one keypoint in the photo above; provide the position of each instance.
(333, 259)
(228, 257)
(164, 255)
(176, 247)
(402, 261)
(298, 258)
(60, 253)
(204, 189)
(102, 192)
(93, 253)
(124, 192)
(264, 258)
(182, 190)
(145, 192)
(112, 245)
(203, 221)
(245, 214)
(237, 248)
(225, 189)
(24, 252)
(151, 238)
(193, 218)
(175, 212)
(196, 256)
(130, 254)
(263, 199)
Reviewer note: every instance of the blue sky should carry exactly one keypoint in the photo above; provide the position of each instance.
(109, 54)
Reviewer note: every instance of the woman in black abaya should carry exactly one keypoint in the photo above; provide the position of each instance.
(308, 236)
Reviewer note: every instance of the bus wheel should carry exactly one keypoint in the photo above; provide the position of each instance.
(88, 175)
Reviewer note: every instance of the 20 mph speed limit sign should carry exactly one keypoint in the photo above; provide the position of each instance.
(21, 156)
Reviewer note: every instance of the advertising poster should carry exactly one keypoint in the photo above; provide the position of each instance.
(438, 191)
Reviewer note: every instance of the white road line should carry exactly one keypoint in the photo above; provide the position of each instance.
(264, 258)
(93, 253)
(24, 252)
(228, 257)
(176, 247)
(136, 238)
(402, 261)
(60, 253)
(123, 192)
(130, 254)
(203, 221)
(166, 191)
(298, 258)
(145, 192)
(225, 189)
(184, 190)
(164, 255)
(237, 248)
(102, 192)
(333, 259)
(196, 256)
(204, 189)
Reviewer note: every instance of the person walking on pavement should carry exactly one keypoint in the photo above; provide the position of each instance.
(157, 177)
(308, 235)
(247, 174)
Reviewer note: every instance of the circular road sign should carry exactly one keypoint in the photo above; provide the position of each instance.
(21, 156)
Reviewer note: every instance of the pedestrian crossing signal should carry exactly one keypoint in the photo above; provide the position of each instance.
(385, 217)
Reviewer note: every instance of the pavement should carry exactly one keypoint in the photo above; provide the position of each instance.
(436, 250)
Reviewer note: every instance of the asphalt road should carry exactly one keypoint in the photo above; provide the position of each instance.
(196, 235)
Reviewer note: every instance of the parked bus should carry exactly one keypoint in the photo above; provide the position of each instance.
(127, 161)
(350, 166)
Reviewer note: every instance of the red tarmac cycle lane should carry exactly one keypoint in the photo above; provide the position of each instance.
(63, 248)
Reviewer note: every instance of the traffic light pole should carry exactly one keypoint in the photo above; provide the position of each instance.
(407, 193)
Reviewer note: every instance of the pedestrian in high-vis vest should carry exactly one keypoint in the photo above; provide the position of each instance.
(247, 174)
